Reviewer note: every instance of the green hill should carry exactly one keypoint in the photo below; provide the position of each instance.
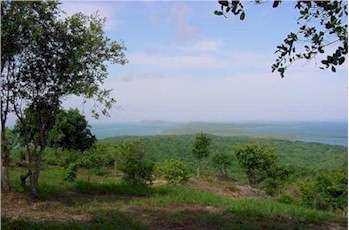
(297, 154)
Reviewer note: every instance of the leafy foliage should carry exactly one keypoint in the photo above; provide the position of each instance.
(305, 158)
(201, 149)
(71, 131)
(59, 157)
(174, 171)
(222, 161)
(329, 190)
(52, 56)
(201, 144)
(71, 172)
(276, 178)
(322, 25)
(132, 163)
(257, 160)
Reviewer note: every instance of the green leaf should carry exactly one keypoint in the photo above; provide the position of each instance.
(276, 3)
(219, 13)
(242, 16)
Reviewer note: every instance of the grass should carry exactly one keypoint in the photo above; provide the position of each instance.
(108, 201)
(116, 221)
(245, 207)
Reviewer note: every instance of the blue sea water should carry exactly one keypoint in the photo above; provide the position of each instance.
(334, 133)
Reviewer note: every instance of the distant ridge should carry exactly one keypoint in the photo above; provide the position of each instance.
(322, 132)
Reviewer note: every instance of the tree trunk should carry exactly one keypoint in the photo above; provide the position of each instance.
(88, 175)
(35, 162)
(198, 171)
(115, 167)
(223, 171)
(34, 182)
(24, 178)
(5, 162)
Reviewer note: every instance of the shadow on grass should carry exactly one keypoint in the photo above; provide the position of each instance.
(83, 189)
(227, 221)
(102, 220)
(121, 188)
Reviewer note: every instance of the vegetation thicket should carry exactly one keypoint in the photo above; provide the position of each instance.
(174, 171)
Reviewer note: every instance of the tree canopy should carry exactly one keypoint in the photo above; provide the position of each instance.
(46, 56)
(71, 131)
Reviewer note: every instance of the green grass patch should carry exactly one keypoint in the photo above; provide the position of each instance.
(244, 207)
(121, 188)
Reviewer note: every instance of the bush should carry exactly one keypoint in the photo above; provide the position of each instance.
(71, 172)
(285, 198)
(257, 161)
(59, 157)
(133, 165)
(276, 177)
(327, 191)
(222, 161)
(174, 171)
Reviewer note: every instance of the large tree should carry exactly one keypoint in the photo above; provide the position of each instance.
(16, 24)
(71, 131)
(322, 31)
(63, 56)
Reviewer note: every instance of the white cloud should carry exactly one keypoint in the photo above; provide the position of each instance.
(199, 58)
(107, 10)
(185, 31)
(242, 97)
(174, 61)
(174, 14)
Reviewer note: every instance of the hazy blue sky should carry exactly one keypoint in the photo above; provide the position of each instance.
(186, 64)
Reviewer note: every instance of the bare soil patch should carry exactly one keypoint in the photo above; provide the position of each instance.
(19, 206)
(225, 188)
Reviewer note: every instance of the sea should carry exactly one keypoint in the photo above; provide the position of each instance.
(326, 132)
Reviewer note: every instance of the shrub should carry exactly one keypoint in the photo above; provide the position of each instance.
(71, 172)
(257, 161)
(285, 198)
(327, 191)
(133, 165)
(222, 161)
(174, 171)
(201, 149)
(276, 177)
(59, 157)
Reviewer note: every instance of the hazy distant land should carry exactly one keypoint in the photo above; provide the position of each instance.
(327, 132)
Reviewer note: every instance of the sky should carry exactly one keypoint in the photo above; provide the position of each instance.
(186, 64)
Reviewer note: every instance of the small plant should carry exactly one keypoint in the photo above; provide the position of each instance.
(201, 149)
(71, 172)
(133, 165)
(285, 198)
(174, 171)
(222, 161)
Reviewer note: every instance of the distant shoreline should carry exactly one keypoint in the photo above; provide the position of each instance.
(327, 132)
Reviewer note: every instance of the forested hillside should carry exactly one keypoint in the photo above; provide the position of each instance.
(302, 155)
